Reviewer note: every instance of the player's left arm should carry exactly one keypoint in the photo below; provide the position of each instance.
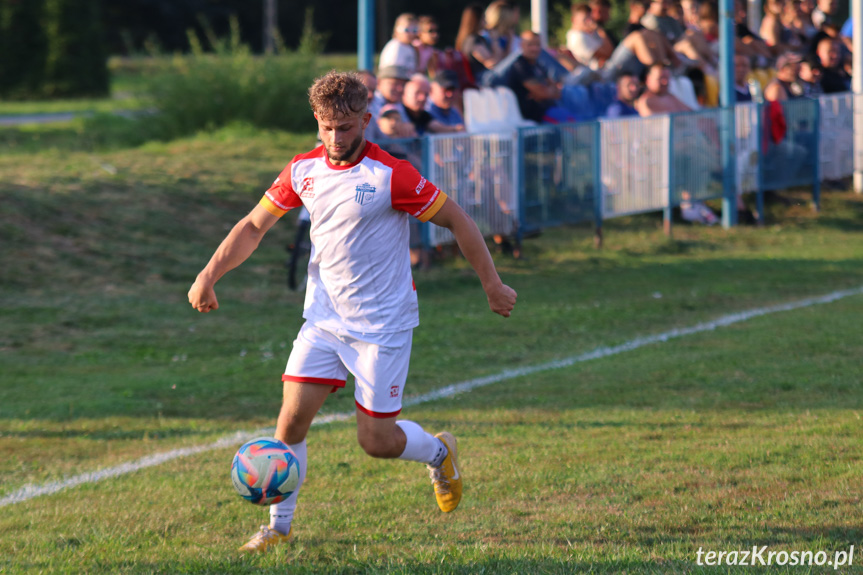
(501, 297)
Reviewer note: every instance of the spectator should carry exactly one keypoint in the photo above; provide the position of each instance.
(810, 76)
(786, 85)
(444, 92)
(480, 54)
(833, 76)
(742, 68)
(415, 100)
(745, 40)
(425, 44)
(637, 10)
(807, 7)
(690, 13)
(585, 40)
(628, 91)
(391, 86)
(656, 98)
(370, 81)
(400, 51)
(779, 38)
(390, 121)
(638, 51)
(500, 27)
(600, 10)
(797, 24)
(660, 20)
(537, 94)
(826, 11)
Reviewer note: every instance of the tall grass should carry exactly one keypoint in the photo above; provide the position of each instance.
(222, 82)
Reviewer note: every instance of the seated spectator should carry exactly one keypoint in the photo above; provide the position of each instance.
(810, 76)
(370, 81)
(531, 82)
(444, 92)
(660, 20)
(656, 98)
(480, 54)
(637, 10)
(833, 76)
(745, 40)
(500, 26)
(742, 68)
(425, 44)
(689, 10)
(779, 38)
(600, 10)
(628, 91)
(794, 20)
(585, 40)
(637, 52)
(391, 86)
(415, 100)
(400, 51)
(786, 85)
(827, 10)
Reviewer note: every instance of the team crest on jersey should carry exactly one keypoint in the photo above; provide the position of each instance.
(421, 185)
(307, 188)
(394, 391)
(365, 194)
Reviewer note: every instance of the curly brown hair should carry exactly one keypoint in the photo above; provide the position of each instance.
(339, 94)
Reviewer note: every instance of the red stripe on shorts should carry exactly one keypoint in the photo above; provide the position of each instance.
(375, 414)
(321, 380)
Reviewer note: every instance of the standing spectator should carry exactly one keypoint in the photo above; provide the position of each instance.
(786, 85)
(536, 93)
(689, 11)
(444, 92)
(833, 76)
(425, 44)
(807, 7)
(628, 91)
(586, 41)
(745, 40)
(480, 54)
(400, 51)
(742, 68)
(779, 38)
(656, 98)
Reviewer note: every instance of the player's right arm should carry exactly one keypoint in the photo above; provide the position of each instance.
(239, 244)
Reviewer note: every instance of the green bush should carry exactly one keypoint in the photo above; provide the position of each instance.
(208, 90)
(22, 48)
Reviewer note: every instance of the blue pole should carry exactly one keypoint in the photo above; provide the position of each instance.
(727, 100)
(366, 34)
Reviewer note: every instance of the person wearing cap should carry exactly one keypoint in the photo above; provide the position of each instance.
(441, 106)
(400, 51)
(391, 87)
(785, 86)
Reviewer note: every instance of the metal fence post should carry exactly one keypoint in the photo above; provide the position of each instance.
(669, 202)
(759, 180)
(519, 186)
(816, 184)
(597, 184)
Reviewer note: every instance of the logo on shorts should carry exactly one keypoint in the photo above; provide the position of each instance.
(365, 194)
(421, 185)
(307, 189)
(394, 391)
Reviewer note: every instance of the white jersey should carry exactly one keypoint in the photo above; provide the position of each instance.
(360, 278)
(397, 54)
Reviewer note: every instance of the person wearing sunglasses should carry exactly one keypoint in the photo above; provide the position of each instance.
(400, 51)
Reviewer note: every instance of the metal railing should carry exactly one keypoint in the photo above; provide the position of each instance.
(523, 180)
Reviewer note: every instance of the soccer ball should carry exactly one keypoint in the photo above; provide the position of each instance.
(265, 471)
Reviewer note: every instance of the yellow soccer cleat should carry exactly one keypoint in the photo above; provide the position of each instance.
(446, 478)
(265, 538)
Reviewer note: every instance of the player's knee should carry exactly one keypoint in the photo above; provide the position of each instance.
(374, 447)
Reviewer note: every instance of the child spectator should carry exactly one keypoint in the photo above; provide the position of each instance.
(400, 51)
(425, 44)
(810, 76)
(628, 91)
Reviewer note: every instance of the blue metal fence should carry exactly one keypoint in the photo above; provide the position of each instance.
(536, 177)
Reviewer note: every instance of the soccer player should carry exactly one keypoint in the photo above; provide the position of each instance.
(361, 304)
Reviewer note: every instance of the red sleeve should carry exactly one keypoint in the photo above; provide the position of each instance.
(281, 196)
(413, 194)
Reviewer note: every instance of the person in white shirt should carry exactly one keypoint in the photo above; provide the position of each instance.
(400, 51)
(585, 40)
(361, 302)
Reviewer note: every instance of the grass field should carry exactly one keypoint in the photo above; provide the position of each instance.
(745, 435)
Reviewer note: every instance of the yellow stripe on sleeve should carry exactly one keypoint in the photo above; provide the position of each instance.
(434, 208)
(268, 205)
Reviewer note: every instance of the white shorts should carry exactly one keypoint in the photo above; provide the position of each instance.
(380, 369)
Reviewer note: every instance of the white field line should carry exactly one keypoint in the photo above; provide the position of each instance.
(32, 491)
